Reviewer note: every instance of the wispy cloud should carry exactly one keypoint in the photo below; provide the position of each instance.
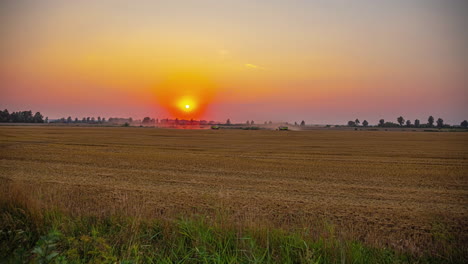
(253, 66)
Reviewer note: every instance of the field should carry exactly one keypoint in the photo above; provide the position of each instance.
(398, 190)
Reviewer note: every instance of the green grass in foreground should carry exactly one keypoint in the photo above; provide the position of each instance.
(52, 237)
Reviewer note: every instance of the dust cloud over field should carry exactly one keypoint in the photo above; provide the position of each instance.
(396, 189)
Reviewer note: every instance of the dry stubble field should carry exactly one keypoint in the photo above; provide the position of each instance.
(396, 189)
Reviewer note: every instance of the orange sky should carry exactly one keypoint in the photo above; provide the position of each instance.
(321, 61)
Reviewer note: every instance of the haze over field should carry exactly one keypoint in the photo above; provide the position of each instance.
(318, 61)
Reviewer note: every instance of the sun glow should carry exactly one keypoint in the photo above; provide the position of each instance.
(187, 104)
(186, 94)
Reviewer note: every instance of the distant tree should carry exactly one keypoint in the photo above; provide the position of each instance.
(228, 122)
(365, 123)
(381, 122)
(29, 118)
(93, 119)
(76, 120)
(357, 122)
(130, 120)
(24, 117)
(440, 122)
(99, 119)
(270, 122)
(103, 120)
(464, 124)
(430, 121)
(351, 123)
(88, 119)
(17, 117)
(401, 120)
(303, 123)
(416, 123)
(295, 123)
(4, 116)
(248, 123)
(14, 117)
(252, 122)
(83, 120)
(391, 124)
(69, 119)
(38, 118)
(47, 119)
(408, 123)
(21, 117)
(146, 120)
(265, 123)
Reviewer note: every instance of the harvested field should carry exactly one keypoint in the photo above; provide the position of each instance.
(395, 189)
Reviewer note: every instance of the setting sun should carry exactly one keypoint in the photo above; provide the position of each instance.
(185, 93)
(187, 106)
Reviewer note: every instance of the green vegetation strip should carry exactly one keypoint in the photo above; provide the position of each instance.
(29, 236)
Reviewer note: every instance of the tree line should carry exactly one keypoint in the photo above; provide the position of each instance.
(21, 117)
(29, 117)
(84, 120)
(401, 122)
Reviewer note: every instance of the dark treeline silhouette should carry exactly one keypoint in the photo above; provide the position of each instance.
(29, 117)
(401, 122)
(118, 120)
(21, 117)
(302, 123)
(84, 120)
(94, 120)
(464, 124)
(149, 120)
(176, 122)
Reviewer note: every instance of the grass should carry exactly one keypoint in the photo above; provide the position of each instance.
(32, 234)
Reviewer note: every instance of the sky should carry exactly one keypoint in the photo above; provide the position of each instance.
(323, 61)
